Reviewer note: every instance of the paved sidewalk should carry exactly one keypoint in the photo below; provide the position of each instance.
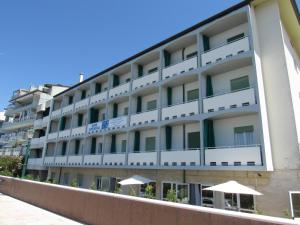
(16, 212)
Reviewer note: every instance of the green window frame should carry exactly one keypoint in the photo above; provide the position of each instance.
(80, 120)
(150, 143)
(152, 105)
(193, 94)
(239, 83)
(235, 37)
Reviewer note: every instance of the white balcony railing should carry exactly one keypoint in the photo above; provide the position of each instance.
(180, 157)
(145, 80)
(92, 160)
(119, 90)
(64, 133)
(35, 163)
(184, 66)
(142, 159)
(180, 110)
(225, 51)
(38, 123)
(49, 160)
(101, 97)
(144, 118)
(233, 156)
(46, 120)
(52, 136)
(82, 104)
(116, 123)
(117, 159)
(78, 131)
(67, 109)
(56, 113)
(75, 160)
(37, 142)
(61, 160)
(230, 100)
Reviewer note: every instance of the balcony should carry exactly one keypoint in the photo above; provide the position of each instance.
(233, 156)
(67, 109)
(115, 123)
(145, 80)
(116, 159)
(61, 160)
(179, 68)
(37, 142)
(16, 124)
(119, 90)
(56, 113)
(92, 160)
(225, 51)
(38, 123)
(64, 134)
(52, 136)
(35, 163)
(180, 157)
(142, 158)
(74, 160)
(231, 100)
(78, 131)
(94, 127)
(46, 120)
(82, 104)
(180, 110)
(101, 97)
(144, 118)
(49, 160)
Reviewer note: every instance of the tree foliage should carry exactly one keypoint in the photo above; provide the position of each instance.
(10, 165)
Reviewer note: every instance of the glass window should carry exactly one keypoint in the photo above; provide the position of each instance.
(123, 147)
(207, 197)
(125, 111)
(295, 204)
(77, 147)
(235, 38)
(152, 70)
(70, 100)
(66, 179)
(105, 183)
(64, 148)
(239, 83)
(183, 193)
(98, 183)
(150, 143)
(243, 135)
(166, 188)
(230, 201)
(191, 55)
(80, 180)
(193, 94)
(100, 146)
(83, 94)
(152, 105)
(194, 140)
(246, 203)
(80, 120)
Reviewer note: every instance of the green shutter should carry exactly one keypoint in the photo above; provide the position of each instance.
(239, 83)
(70, 100)
(169, 96)
(140, 70)
(113, 144)
(193, 95)
(243, 129)
(77, 146)
(83, 94)
(209, 87)
(93, 146)
(167, 57)
(62, 123)
(116, 80)
(136, 146)
(152, 105)
(80, 120)
(168, 137)
(91, 115)
(194, 140)
(98, 88)
(150, 143)
(206, 45)
(64, 148)
(115, 110)
(123, 146)
(209, 136)
(139, 104)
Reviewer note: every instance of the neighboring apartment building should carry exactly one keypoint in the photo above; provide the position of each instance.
(20, 116)
(215, 102)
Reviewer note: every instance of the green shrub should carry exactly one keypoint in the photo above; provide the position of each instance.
(10, 165)
(171, 196)
(93, 186)
(149, 191)
(74, 183)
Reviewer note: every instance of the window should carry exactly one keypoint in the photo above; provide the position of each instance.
(123, 146)
(70, 100)
(150, 143)
(193, 95)
(80, 180)
(151, 105)
(65, 179)
(80, 120)
(64, 148)
(152, 70)
(231, 201)
(77, 147)
(125, 111)
(105, 183)
(93, 146)
(97, 88)
(194, 140)
(235, 38)
(191, 55)
(100, 147)
(207, 197)
(239, 83)
(246, 203)
(52, 176)
(181, 190)
(98, 183)
(127, 80)
(295, 203)
(243, 135)
(83, 94)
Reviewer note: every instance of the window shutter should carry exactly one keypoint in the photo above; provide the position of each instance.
(80, 120)
(93, 146)
(194, 140)
(140, 70)
(169, 96)
(167, 57)
(239, 83)
(136, 146)
(116, 80)
(206, 44)
(193, 95)
(209, 87)
(150, 143)
(115, 110)
(77, 146)
(139, 104)
(168, 137)
(209, 136)
(63, 123)
(98, 88)
(113, 144)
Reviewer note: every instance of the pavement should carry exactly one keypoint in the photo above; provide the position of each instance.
(16, 212)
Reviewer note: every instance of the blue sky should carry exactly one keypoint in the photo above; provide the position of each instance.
(53, 41)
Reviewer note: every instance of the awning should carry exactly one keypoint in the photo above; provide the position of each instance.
(135, 180)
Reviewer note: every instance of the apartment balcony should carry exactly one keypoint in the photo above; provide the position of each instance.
(74, 160)
(49, 160)
(145, 80)
(230, 100)
(82, 104)
(64, 134)
(101, 97)
(56, 113)
(52, 136)
(189, 157)
(179, 68)
(67, 109)
(142, 159)
(46, 120)
(26, 122)
(92, 160)
(233, 156)
(93, 128)
(180, 110)
(35, 164)
(78, 131)
(119, 90)
(37, 142)
(225, 51)
(144, 118)
(61, 160)
(38, 123)
(114, 159)
(115, 123)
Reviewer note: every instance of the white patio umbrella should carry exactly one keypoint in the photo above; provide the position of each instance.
(233, 187)
(135, 180)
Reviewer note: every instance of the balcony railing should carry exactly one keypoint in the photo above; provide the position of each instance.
(230, 100)
(146, 80)
(67, 109)
(82, 104)
(37, 142)
(61, 160)
(119, 90)
(179, 68)
(224, 51)
(142, 159)
(92, 160)
(78, 131)
(75, 160)
(101, 97)
(56, 113)
(116, 159)
(52, 136)
(35, 163)
(233, 156)
(144, 118)
(64, 133)
(180, 110)
(179, 157)
(49, 160)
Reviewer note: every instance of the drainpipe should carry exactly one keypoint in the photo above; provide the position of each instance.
(184, 176)
(59, 175)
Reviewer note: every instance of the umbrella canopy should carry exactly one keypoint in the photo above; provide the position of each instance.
(135, 180)
(233, 187)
